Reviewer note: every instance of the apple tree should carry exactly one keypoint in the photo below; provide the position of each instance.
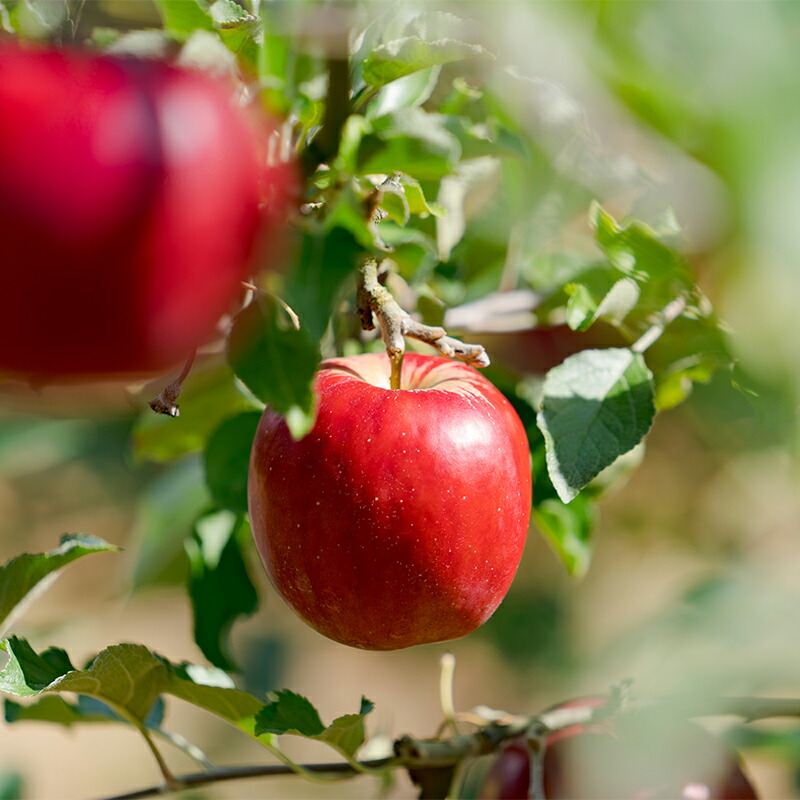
(374, 292)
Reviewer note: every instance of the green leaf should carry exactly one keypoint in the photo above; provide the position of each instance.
(325, 260)
(26, 673)
(219, 584)
(636, 251)
(228, 12)
(395, 59)
(568, 528)
(348, 213)
(25, 577)
(600, 292)
(294, 714)
(183, 17)
(411, 141)
(165, 515)
(346, 733)
(227, 460)
(127, 677)
(410, 91)
(240, 31)
(289, 712)
(394, 203)
(275, 360)
(596, 405)
(54, 708)
(210, 394)
(415, 197)
(213, 691)
(50, 708)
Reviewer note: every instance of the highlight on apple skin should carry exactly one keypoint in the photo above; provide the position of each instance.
(401, 518)
(129, 211)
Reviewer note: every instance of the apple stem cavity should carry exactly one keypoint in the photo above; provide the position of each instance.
(374, 300)
(166, 401)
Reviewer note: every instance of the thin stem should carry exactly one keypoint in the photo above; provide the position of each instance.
(166, 402)
(301, 769)
(169, 779)
(669, 314)
(446, 676)
(290, 312)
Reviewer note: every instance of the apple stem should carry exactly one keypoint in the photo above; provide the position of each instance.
(396, 360)
(166, 402)
(373, 299)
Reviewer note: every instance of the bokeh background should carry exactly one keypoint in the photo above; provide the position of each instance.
(693, 583)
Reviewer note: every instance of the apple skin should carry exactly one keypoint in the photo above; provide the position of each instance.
(401, 518)
(634, 756)
(129, 211)
(509, 777)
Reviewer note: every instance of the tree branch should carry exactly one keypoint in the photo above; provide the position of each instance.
(395, 323)
(430, 754)
(669, 314)
(341, 769)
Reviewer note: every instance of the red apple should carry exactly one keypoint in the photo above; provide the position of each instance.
(401, 518)
(509, 777)
(129, 195)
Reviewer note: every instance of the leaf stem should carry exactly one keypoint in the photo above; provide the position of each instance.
(669, 314)
(169, 779)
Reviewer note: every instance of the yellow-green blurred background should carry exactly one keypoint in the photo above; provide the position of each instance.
(694, 582)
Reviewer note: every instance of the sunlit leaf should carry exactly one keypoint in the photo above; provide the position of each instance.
(129, 678)
(410, 91)
(23, 578)
(400, 57)
(292, 713)
(596, 405)
(183, 17)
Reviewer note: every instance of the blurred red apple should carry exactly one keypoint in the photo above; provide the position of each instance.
(630, 757)
(509, 777)
(129, 211)
(401, 518)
